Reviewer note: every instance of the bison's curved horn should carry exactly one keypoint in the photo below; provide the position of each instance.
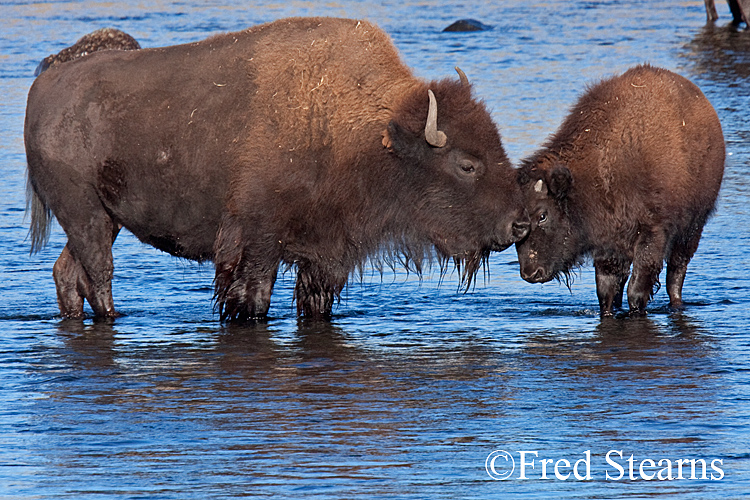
(434, 136)
(462, 77)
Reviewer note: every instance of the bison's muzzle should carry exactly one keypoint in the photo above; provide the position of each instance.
(536, 275)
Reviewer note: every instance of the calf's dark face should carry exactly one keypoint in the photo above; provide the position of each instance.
(551, 247)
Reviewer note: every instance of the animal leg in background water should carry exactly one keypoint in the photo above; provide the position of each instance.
(738, 8)
(711, 14)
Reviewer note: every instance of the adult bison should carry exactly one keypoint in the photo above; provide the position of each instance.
(101, 39)
(305, 141)
(631, 176)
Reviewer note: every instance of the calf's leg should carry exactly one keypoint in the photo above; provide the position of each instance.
(679, 258)
(648, 259)
(611, 275)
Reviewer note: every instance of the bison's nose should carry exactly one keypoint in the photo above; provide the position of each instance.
(521, 228)
(536, 276)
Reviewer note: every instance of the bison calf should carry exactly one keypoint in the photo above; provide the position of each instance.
(631, 176)
(305, 142)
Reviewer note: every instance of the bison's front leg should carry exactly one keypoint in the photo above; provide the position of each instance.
(316, 290)
(611, 275)
(244, 278)
(242, 290)
(648, 260)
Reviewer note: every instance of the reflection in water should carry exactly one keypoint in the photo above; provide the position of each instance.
(721, 52)
(89, 345)
(284, 410)
(292, 410)
(660, 378)
(635, 349)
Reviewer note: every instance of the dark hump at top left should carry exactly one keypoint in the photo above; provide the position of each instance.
(101, 39)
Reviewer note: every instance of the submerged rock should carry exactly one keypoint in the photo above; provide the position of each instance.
(467, 25)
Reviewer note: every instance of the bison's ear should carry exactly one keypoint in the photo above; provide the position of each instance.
(402, 142)
(522, 176)
(560, 181)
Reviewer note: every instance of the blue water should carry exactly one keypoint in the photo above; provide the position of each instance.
(413, 385)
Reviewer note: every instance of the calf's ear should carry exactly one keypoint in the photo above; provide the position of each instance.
(560, 181)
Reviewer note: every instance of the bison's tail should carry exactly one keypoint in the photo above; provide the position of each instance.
(41, 218)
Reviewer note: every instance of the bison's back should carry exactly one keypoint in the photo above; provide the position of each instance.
(647, 142)
(327, 80)
(160, 133)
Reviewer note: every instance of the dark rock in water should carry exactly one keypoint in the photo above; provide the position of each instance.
(467, 25)
(102, 39)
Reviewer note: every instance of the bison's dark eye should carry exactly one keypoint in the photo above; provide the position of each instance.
(543, 218)
(467, 166)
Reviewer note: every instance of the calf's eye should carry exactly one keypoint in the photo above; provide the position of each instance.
(543, 218)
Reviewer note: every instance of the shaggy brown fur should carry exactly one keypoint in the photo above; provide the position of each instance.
(101, 39)
(631, 176)
(299, 142)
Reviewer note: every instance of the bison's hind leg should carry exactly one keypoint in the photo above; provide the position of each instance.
(682, 251)
(85, 267)
(72, 285)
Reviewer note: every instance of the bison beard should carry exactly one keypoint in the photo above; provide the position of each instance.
(304, 143)
(630, 177)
